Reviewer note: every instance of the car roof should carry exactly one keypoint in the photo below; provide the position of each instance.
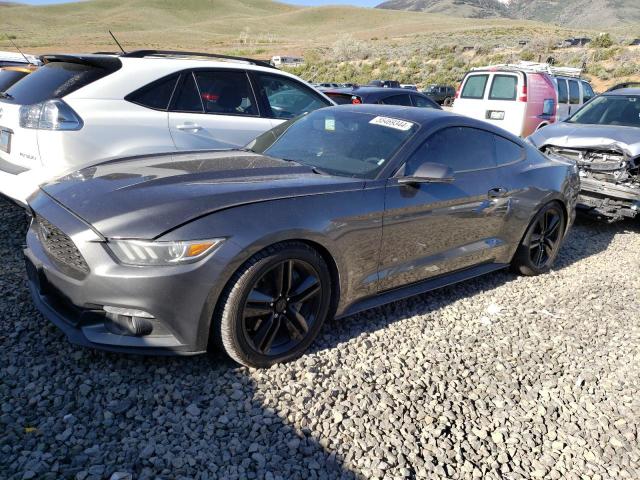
(369, 90)
(624, 91)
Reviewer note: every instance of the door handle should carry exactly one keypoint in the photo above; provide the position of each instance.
(498, 192)
(189, 126)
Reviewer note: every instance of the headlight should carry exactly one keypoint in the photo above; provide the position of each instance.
(140, 252)
(50, 115)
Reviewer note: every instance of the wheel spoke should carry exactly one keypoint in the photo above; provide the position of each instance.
(534, 240)
(266, 334)
(297, 321)
(550, 244)
(287, 281)
(258, 304)
(553, 225)
(540, 257)
(309, 288)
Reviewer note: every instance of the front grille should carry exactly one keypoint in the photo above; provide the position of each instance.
(60, 247)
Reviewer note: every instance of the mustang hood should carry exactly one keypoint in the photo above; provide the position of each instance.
(625, 140)
(147, 196)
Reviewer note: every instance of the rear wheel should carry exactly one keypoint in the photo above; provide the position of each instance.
(541, 242)
(274, 306)
(448, 102)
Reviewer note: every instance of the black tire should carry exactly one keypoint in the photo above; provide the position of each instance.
(275, 327)
(541, 242)
(448, 102)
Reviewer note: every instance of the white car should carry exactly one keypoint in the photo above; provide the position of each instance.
(80, 110)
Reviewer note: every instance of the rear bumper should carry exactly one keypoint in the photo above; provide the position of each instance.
(18, 184)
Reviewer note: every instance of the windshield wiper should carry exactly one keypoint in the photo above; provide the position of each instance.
(6, 95)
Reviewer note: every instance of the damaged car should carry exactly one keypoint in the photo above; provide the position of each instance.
(603, 138)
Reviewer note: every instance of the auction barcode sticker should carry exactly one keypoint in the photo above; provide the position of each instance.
(392, 123)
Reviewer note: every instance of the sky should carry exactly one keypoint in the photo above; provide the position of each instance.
(360, 3)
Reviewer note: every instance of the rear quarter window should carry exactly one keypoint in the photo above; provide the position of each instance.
(474, 86)
(54, 80)
(156, 95)
(503, 87)
(507, 152)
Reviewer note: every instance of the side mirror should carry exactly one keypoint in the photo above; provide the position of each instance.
(429, 173)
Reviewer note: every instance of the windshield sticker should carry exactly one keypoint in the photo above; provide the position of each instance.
(330, 124)
(392, 123)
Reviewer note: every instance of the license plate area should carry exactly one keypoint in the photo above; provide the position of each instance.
(495, 115)
(5, 140)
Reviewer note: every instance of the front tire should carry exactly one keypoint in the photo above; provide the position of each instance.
(541, 242)
(274, 305)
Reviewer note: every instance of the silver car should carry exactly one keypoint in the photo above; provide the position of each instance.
(603, 138)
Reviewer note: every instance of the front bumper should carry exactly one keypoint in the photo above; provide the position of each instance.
(17, 183)
(608, 200)
(180, 298)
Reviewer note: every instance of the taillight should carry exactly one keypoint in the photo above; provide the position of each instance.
(523, 94)
(457, 95)
(50, 115)
(356, 100)
(210, 97)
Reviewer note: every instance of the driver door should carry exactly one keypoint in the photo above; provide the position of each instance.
(431, 229)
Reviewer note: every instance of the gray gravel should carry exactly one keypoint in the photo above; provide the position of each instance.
(502, 377)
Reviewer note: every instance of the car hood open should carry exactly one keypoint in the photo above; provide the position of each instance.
(622, 139)
(145, 197)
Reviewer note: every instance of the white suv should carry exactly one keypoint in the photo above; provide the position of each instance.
(79, 110)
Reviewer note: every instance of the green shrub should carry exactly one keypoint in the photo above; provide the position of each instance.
(603, 40)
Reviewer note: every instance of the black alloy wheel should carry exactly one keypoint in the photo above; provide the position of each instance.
(542, 241)
(282, 306)
(274, 305)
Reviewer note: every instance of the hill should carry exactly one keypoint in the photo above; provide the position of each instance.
(217, 24)
(456, 8)
(574, 13)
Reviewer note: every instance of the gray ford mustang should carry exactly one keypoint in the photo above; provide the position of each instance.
(340, 210)
(603, 138)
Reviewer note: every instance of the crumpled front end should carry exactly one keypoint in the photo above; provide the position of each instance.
(610, 180)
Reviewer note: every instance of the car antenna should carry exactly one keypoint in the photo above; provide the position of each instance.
(16, 47)
(117, 42)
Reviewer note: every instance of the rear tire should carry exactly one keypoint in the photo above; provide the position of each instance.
(541, 242)
(274, 305)
(448, 102)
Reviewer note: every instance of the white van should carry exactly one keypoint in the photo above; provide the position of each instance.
(521, 98)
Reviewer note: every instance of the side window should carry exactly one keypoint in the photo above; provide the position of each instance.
(187, 97)
(288, 98)
(563, 96)
(507, 151)
(226, 93)
(397, 100)
(574, 92)
(474, 86)
(419, 101)
(503, 87)
(587, 92)
(460, 148)
(156, 95)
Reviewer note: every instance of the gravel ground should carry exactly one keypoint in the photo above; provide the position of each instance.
(502, 377)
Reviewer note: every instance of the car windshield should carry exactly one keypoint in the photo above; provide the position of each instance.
(623, 110)
(344, 143)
